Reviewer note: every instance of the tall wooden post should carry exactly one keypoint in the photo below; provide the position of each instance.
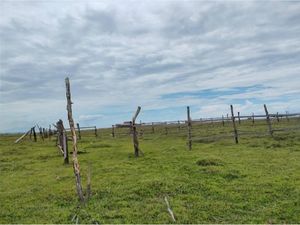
(239, 117)
(30, 133)
(79, 132)
(113, 131)
(134, 134)
(234, 126)
(96, 134)
(189, 128)
(34, 134)
(268, 120)
(74, 139)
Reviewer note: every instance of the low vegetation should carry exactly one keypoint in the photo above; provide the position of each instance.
(255, 181)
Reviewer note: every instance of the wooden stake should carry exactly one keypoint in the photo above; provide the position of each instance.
(234, 126)
(34, 134)
(189, 128)
(41, 133)
(113, 131)
(268, 120)
(134, 134)
(79, 133)
(74, 139)
(96, 131)
(65, 147)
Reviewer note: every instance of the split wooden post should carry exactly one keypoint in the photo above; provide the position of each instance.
(239, 117)
(79, 133)
(65, 146)
(268, 120)
(223, 121)
(96, 135)
(134, 133)
(74, 139)
(189, 128)
(34, 134)
(234, 126)
(113, 131)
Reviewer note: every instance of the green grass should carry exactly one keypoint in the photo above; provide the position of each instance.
(256, 181)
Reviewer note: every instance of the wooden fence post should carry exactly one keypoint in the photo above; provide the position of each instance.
(96, 134)
(277, 117)
(113, 131)
(41, 133)
(239, 117)
(134, 134)
(79, 132)
(189, 128)
(65, 147)
(34, 134)
(234, 126)
(30, 134)
(268, 120)
(74, 139)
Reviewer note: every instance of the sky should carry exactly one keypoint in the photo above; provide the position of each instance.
(160, 55)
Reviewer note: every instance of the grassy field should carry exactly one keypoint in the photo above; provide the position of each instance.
(255, 181)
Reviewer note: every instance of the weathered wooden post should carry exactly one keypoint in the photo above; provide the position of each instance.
(62, 141)
(239, 117)
(41, 133)
(95, 131)
(113, 131)
(30, 134)
(277, 117)
(268, 120)
(189, 128)
(74, 139)
(178, 125)
(223, 123)
(79, 133)
(134, 134)
(234, 126)
(34, 134)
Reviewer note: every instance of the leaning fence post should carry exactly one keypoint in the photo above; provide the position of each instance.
(34, 134)
(234, 126)
(134, 134)
(189, 128)
(74, 139)
(268, 120)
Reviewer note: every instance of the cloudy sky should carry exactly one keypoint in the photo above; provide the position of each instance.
(161, 55)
